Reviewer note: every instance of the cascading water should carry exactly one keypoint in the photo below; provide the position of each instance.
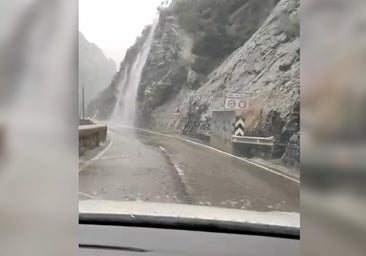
(126, 104)
(119, 92)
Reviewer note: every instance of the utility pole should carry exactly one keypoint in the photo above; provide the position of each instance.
(83, 102)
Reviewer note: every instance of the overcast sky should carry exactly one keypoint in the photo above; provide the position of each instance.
(114, 24)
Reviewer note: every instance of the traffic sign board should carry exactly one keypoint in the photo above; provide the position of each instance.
(239, 127)
(236, 101)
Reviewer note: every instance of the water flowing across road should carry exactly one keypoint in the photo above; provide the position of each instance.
(125, 110)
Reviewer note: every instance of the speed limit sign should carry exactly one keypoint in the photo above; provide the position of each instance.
(242, 104)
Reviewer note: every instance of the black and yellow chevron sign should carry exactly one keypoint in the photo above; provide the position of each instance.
(239, 127)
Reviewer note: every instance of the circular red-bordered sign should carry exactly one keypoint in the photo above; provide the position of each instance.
(242, 104)
(231, 103)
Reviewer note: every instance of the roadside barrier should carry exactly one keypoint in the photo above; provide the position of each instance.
(90, 136)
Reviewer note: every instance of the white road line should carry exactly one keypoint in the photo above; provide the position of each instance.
(163, 149)
(88, 196)
(97, 156)
(179, 170)
(244, 160)
(110, 158)
(103, 151)
(220, 151)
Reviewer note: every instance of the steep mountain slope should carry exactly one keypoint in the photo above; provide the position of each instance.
(95, 69)
(107, 101)
(192, 38)
(204, 48)
(266, 67)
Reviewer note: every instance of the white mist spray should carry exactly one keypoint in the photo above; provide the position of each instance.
(127, 103)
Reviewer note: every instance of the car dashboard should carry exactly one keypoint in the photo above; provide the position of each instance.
(110, 235)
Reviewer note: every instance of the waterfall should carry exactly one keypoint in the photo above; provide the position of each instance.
(121, 86)
(125, 111)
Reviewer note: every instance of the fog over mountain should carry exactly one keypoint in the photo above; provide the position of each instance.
(95, 69)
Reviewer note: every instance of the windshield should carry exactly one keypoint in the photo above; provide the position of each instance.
(190, 102)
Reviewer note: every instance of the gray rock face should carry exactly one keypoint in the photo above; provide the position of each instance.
(193, 38)
(291, 157)
(193, 63)
(95, 69)
(166, 69)
(186, 76)
(266, 67)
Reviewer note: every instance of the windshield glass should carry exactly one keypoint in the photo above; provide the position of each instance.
(192, 102)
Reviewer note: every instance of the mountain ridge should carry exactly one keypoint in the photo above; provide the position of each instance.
(95, 69)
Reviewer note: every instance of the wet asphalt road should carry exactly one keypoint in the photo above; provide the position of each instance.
(140, 166)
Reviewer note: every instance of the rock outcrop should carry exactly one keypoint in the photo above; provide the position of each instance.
(266, 67)
(202, 34)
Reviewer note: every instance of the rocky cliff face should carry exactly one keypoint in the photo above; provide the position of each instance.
(95, 69)
(192, 38)
(167, 68)
(266, 67)
(205, 48)
(197, 36)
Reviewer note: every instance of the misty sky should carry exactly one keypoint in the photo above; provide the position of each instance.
(114, 24)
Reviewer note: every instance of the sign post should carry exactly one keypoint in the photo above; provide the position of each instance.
(83, 102)
(239, 127)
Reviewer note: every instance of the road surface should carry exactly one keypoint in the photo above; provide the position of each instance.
(142, 166)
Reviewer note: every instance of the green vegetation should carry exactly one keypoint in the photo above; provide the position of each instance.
(208, 22)
(218, 27)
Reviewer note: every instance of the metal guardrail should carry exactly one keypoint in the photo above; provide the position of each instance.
(269, 141)
(263, 141)
(253, 140)
(204, 132)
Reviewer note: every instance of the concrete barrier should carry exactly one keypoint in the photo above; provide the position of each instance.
(222, 130)
(90, 136)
